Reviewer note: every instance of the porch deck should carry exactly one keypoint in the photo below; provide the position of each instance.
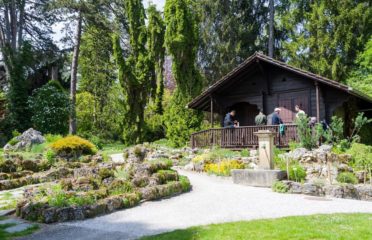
(241, 137)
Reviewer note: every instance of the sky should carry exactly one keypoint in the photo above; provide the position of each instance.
(159, 3)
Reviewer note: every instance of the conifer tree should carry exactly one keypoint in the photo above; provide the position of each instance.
(181, 40)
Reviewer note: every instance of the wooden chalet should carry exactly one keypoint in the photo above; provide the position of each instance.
(261, 82)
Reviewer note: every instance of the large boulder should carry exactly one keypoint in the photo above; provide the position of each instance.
(25, 141)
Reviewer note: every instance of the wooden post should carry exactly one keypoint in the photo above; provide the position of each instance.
(317, 101)
(212, 112)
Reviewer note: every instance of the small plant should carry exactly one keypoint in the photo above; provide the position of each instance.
(308, 136)
(13, 141)
(245, 153)
(73, 146)
(137, 151)
(347, 177)
(293, 145)
(96, 141)
(185, 183)
(51, 138)
(362, 156)
(296, 172)
(121, 173)
(280, 187)
(50, 156)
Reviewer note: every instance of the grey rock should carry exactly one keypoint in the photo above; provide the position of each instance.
(25, 141)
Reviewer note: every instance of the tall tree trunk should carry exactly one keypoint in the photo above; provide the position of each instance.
(271, 28)
(74, 66)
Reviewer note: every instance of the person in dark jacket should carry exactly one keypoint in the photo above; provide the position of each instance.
(229, 121)
(275, 118)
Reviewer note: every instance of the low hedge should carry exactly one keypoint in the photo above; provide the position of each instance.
(73, 146)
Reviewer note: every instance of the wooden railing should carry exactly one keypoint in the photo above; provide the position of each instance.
(241, 137)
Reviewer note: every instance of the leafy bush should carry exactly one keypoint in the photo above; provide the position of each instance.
(280, 187)
(307, 135)
(13, 141)
(51, 138)
(362, 157)
(245, 153)
(347, 177)
(96, 141)
(50, 156)
(224, 167)
(73, 145)
(185, 183)
(296, 172)
(335, 132)
(50, 106)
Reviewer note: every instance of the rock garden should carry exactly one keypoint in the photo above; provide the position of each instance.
(71, 180)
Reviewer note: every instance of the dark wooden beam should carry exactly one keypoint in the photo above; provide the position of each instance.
(317, 90)
(212, 112)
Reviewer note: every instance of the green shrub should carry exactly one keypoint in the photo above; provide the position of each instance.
(118, 187)
(38, 148)
(280, 187)
(307, 135)
(362, 157)
(50, 156)
(13, 141)
(296, 172)
(96, 141)
(121, 173)
(105, 173)
(347, 177)
(73, 145)
(51, 138)
(185, 183)
(50, 106)
(245, 153)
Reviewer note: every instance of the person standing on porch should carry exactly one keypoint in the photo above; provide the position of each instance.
(229, 121)
(300, 112)
(275, 118)
(260, 119)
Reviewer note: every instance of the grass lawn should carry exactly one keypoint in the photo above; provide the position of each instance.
(112, 148)
(7, 236)
(334, 226)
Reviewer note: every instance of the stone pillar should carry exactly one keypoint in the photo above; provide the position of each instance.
(265, 149)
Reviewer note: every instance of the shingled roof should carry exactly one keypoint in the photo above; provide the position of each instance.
(261, 57)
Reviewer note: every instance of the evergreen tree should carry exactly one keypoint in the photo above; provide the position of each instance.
(134, 72)
(181, 40)
(361, 77)
(230, 31)
(156, 31)
(326, 36)
(97, 71)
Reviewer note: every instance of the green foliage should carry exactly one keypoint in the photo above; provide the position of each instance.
(185, 183)
(13, 141)
(293, 145)
(362, 156)
(121, 173)
(361, 77)
(230, 31)
(156, 31)
(215, 155)
(335, 132)
(296, 172)
(308, 136)
(50, 108)
(347, 177)
(180, 122)
(245, 153)
(280, 187)
(181, 40)
(325, 36)
(50, 155)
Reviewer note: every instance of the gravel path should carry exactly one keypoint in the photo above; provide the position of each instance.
(212, 200)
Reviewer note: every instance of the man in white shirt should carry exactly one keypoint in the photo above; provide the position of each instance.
(299, 111)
